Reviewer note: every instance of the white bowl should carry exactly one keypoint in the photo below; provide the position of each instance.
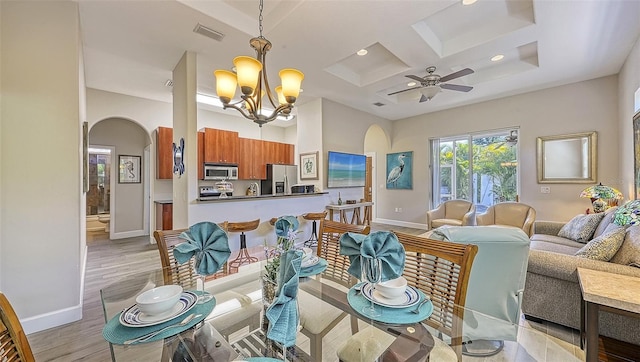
(307, 252)
(393, 288)
(159, 300)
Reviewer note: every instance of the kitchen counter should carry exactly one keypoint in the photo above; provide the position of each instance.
(261, 197)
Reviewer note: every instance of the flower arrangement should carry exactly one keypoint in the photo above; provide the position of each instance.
(286, 228)
(628, 214)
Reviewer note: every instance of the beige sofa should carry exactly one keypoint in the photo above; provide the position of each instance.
(552, 291)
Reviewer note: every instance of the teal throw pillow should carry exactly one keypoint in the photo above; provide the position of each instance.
(581, 227)
(604, 247)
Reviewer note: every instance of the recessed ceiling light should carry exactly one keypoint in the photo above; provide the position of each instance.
(411, 84)
(362, 52)
(468, 2)
(497, 57)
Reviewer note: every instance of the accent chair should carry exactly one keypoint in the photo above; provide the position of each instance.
(452, 212)
(509, 214)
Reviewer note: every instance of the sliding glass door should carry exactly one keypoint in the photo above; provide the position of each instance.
(481, 168)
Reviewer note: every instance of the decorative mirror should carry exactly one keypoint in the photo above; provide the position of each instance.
(570, 158)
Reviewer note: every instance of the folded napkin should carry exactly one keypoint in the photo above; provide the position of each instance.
(208, 243)
(283, 312)
(383, 245)
(284, 224)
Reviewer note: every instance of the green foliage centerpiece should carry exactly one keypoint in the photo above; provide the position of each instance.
(286, 228)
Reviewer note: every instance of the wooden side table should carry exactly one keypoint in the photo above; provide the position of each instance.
(355, 217)
(610, 292)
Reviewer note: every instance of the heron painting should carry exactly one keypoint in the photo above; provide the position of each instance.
(399, 170)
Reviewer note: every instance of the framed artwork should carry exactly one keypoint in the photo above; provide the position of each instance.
(636, 155)
(309, 166)
(400, 170)
(129, 169)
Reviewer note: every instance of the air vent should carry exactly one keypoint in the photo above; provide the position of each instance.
(208, 32)
(378, 104)
(168, 83)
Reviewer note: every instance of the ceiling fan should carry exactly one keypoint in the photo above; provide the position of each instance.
(432, 84)
(510, 140)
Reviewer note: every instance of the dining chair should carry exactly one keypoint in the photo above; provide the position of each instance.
(320, 319)
(441, 270)
(14, 345)
(184, 275)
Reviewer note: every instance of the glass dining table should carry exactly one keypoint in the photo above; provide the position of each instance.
(232, 327)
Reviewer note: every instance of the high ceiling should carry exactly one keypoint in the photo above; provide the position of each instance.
(131, 47)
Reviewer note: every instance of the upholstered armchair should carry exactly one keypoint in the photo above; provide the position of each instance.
(510, 214)
(452, 212)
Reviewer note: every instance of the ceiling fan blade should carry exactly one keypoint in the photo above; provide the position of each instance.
(458, 74)
(456, 87)
(423, 98)
(415, 77)
(404, 90)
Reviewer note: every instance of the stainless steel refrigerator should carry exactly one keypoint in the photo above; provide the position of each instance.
(279, 180)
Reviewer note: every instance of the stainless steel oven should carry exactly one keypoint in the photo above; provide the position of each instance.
(214, 171)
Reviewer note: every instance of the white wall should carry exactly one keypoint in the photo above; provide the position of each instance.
(578, 107)
(40, 263)
(628, 84)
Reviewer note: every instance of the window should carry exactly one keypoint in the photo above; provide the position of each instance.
(485, 173)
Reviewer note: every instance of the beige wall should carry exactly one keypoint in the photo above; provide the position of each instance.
(578, 107)
(40, 147)
(628, 84)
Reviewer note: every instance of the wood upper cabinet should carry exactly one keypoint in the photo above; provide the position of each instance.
(251, 165)
(278, 153)
(164, 153)
(220, 146)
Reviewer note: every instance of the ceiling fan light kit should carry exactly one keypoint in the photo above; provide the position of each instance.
(251, 77)
(432, 84)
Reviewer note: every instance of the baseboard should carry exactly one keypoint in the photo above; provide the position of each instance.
(402, 223)
(52, 319)
(127, 234)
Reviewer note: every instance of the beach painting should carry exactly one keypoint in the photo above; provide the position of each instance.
(346, 169)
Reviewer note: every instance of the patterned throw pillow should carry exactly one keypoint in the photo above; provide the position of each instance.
(629, 252)
(604, 247)
(581, 227)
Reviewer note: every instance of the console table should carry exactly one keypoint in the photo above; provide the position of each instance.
(355, 216)
(610, 292)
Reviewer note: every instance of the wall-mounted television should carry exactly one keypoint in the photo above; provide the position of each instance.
(346, 169)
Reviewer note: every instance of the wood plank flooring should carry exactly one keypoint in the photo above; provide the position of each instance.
(107, 260)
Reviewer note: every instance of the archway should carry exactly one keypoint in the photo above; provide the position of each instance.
(129, 183)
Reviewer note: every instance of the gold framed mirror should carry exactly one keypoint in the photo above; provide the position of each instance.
(570, 158)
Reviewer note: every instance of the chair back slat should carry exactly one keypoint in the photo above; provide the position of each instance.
(14, 345)
(441, 270)
(329, 249)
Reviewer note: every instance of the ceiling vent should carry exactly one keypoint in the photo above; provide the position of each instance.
(208, 32)
(168, 83)
(378, 104)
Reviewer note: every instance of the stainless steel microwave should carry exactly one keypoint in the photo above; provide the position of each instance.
(220, 172)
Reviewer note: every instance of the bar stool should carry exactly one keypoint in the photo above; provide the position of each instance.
(243, 254)
(313, 240)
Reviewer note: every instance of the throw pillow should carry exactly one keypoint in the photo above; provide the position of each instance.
(604, 247)
(629, 252)
(581, 227)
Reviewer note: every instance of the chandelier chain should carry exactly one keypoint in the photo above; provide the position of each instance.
(260, 18)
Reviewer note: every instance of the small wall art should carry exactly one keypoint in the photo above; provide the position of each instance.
(309, 166)
(400, 170)
(129, 169)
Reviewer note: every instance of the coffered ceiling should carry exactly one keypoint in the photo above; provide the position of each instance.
(131, 47)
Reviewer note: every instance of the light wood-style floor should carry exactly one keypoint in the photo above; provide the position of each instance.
(107, 260)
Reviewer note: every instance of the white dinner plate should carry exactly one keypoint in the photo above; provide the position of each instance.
(133, 317)
(310, 261)
(408, 299)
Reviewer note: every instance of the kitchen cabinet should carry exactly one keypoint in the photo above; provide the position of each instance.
(164, 215)
(164, 153)
(220, 146)
(278, 153)
(251, 165)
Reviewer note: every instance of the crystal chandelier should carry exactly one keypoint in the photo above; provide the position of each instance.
(251, 76)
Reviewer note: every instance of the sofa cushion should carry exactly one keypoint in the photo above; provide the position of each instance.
(605, 246)
(552, 239)
(629, 252)
(607, 219)
(555, 247)
(581, 227)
